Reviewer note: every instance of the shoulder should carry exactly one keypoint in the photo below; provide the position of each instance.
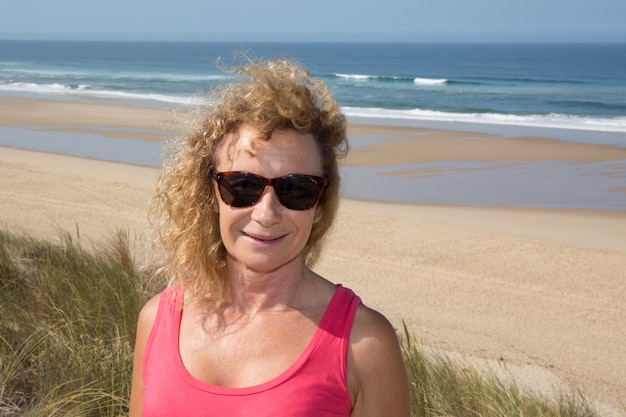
(147, 317)
(372, 333)
(377, 378)
(148, 312)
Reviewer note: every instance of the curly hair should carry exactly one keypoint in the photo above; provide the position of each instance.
(269, 96)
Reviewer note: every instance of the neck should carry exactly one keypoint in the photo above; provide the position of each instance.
(250, 291)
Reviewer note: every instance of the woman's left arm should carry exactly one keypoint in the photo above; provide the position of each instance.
(377, 378)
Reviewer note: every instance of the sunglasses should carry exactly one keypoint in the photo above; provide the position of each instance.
(294, 191)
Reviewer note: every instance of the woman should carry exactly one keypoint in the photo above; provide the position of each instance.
(245, 327)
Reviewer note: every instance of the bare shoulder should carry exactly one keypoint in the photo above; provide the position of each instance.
(148, 312)
(377, 377)
(369, 323)
(147, 316)
(372, 337)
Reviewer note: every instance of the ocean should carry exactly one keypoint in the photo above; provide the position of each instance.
(538, 85)
(576, 91)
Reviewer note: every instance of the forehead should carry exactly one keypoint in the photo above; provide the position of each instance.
(286, 152)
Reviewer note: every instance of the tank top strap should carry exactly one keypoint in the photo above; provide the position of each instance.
(340, 313)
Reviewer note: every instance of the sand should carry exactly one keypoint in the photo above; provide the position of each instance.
(536, 292)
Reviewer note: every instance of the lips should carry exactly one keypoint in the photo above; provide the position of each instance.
(263, 240)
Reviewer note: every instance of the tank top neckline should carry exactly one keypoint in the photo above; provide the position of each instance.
(277, 380)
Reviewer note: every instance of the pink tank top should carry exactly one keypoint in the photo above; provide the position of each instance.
(314, 386)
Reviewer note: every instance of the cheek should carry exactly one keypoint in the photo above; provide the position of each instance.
(305, 221)
(227, 218)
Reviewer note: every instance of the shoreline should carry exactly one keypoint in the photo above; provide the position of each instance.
(538, 290)
(420, 165)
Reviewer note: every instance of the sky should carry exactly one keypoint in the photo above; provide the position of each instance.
(317, 20)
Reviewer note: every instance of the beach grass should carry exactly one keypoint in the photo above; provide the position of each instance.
(442, 386)
(67, 330)
(67, 325)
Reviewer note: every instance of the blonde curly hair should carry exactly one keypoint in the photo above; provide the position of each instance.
(269, 96)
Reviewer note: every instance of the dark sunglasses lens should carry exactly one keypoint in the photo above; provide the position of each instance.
(297, 192)
(240, 190)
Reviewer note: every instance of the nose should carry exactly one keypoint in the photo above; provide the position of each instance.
(267, 211)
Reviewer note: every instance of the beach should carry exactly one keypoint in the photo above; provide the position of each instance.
(535, 291)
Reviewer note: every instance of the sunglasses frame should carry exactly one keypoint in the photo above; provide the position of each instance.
(321, 182)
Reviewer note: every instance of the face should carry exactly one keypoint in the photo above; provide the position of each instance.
(266, 236)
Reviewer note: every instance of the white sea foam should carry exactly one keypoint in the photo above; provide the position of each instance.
(416, 81)
(355, 76)
(559, 121)
(366, 77)
(430, 81)
(186, 100)
(555, 121)
(19, 87)
(84, 90)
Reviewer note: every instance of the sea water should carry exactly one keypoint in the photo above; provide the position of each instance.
(574, 92)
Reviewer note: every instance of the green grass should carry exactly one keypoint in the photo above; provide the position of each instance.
(443, 387)
(67, 327)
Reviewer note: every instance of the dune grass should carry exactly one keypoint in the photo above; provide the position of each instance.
(67, 328)
(443, 387)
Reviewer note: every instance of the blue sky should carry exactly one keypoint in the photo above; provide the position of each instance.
(317, 20)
